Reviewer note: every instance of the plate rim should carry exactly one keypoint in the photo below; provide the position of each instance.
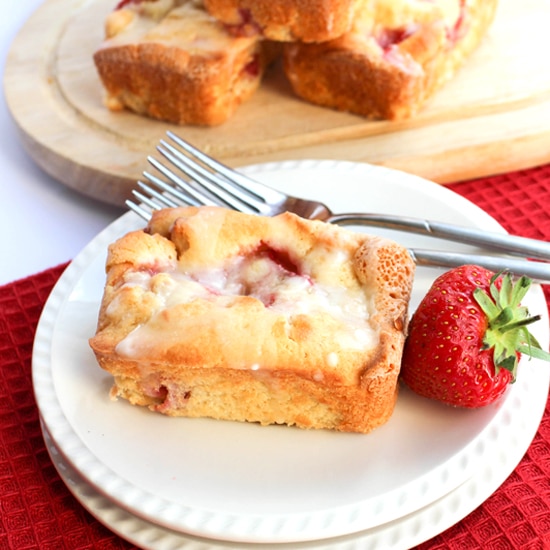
(69, 442)
(416, 528)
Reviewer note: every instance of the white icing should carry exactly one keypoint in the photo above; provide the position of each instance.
(131, 345)
(332, 361)
(281, 291)
(185, 25)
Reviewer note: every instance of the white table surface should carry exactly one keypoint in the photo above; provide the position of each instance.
(42, 223)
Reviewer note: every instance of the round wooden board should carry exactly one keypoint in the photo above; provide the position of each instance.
(493, 117)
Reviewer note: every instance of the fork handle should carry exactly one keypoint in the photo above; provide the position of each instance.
(511, 244)
(538, 271)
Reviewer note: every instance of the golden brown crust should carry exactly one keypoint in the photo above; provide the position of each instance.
(395, 57)
(288, 20)
(265, 346)
(177, 63)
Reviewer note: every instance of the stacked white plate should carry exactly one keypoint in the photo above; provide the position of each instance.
(167, 483)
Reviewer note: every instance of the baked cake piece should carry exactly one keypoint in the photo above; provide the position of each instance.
(213, 313)
(398, 53)
(288, 20)
(171, 60)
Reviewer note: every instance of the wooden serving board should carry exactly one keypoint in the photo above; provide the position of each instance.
(493, 117)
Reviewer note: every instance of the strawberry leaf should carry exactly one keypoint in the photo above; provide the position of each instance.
(519, 290)
(488, 306)
(534, 352)
(511, 364)
(504, 295)
(505, 317)
(507, 321)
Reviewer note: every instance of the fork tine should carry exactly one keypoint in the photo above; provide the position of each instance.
(156, 200)
(162, 198)
(148, 201)
(246, 184)
(144, 199)
(188, 188)
(202, 179)
(138, 209)
(204, 184)
(181, 196)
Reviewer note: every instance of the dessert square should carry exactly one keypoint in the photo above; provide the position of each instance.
(171, 60)
(397, 54)
(209, 312)
(288, 20)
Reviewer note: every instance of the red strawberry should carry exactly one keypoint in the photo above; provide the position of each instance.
(124, 3)
(466, 337)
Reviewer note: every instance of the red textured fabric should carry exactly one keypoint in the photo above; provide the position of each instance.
(519, 201)
(518, 514)
(38, 512)
(36, 509)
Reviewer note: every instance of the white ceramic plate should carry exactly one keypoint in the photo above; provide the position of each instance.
(500, 459)
(242, 482)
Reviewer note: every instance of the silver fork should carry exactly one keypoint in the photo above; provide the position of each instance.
(209, 182)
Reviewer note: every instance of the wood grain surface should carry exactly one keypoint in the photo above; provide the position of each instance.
(493, 117)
